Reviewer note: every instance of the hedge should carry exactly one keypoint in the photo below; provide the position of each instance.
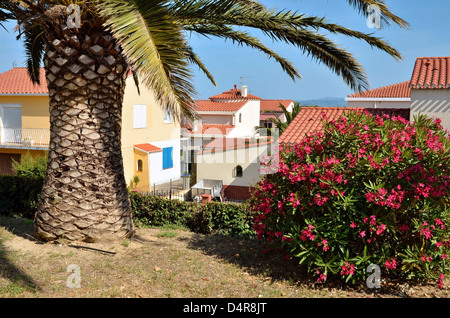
(19, 195)
(214, 217)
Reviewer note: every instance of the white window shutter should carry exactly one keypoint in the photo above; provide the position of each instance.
(139, 116)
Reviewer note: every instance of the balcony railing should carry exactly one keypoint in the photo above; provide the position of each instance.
(25, 137)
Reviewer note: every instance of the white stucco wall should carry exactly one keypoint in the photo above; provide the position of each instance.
(250, 119)
(378, 104)
(157, 174)
(220, 165)
(217, 119)
(434, 103)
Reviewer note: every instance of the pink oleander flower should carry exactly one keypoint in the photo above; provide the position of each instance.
(325, 245)
(353, 225)
(381, 229)
(426, 232)
(441, 281)
(362, 233)
(392, 264)
(348, 269)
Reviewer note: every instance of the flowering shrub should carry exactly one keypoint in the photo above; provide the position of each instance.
(369, 190)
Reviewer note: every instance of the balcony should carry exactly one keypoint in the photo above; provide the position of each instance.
(28, 138)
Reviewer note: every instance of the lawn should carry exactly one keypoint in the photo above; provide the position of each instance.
(166, 262)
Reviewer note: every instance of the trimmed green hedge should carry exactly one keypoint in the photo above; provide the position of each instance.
(226, 219)
(19, 195)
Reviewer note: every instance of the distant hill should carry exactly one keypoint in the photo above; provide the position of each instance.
(325, 102)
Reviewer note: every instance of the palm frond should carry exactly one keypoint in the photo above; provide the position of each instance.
(242, 38)
(289, 27)
(155, 47)
(34, 51)
(195, 59)
(387, 16)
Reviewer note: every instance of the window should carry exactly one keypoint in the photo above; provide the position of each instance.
(139, 116)
(240, 118)
(167, 117)
(139, 165)
(167, 158)
(238, 172)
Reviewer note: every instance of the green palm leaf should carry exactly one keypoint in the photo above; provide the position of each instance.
(155, 47)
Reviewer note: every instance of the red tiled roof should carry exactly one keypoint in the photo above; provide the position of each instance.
(234, 94)
(17, 82)
(431, 72)
(274, 104)
(399, 90)
(148, 148)
(309, 120)
(211, 106)
(213, 129)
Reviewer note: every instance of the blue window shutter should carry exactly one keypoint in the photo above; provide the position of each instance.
(167, 157)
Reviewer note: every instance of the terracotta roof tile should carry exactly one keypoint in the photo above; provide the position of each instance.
(309, 120)
(17, 82)
(233, 94)
(431, 72)
(148, 148)
(274, 104)
(212, 106)
(399, 90)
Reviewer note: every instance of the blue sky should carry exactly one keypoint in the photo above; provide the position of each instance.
(427, 36)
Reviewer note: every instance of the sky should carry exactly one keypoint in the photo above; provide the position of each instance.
(230, 64)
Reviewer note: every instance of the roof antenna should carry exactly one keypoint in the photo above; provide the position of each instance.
(14, 64)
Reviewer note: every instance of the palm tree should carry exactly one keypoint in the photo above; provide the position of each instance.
(85, 196)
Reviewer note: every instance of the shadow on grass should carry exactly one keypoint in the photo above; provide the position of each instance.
(255, 257)
(261, 258)
(19, 280)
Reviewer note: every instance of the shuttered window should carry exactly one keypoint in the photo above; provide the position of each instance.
(167, 157)
(139, 116)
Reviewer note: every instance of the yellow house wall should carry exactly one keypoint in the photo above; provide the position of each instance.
(35, 110)
(156, 129)
(22, 152)
(35, 114)
(144, 176)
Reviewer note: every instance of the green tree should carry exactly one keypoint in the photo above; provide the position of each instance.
(87, 55)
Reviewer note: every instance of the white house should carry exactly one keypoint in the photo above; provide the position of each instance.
(391, 96)
(230, 118)
(427, 92)
(430, 88)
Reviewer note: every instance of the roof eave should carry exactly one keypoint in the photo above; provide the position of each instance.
(379, 99)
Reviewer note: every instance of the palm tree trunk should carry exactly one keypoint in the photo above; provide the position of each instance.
(84, 196)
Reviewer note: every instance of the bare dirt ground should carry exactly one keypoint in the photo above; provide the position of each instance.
(166, 263)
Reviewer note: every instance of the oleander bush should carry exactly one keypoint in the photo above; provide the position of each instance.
(368, 190)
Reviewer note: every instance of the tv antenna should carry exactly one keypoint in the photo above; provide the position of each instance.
(243, 80)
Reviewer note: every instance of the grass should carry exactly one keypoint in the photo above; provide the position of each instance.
(165, 262)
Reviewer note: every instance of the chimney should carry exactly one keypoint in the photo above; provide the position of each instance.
(244, 91)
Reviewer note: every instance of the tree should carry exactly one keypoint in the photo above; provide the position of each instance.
(88, 49)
